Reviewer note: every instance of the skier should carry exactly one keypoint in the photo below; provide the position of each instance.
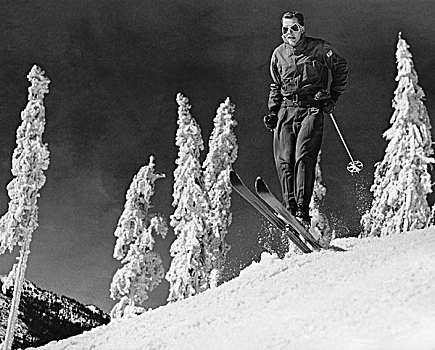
(297, 100)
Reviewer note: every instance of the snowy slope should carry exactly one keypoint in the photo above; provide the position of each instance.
(380, 294)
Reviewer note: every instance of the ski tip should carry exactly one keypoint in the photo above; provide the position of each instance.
(260, 182)
(233, 176)
(257, 182)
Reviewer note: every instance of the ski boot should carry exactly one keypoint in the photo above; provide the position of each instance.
(292, 207)
(303, 215)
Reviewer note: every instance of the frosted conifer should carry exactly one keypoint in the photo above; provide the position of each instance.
(431, 221)
(143, 268)
(29, 160)
(188, 273)
(319, 222)
(222, 154)
(401, 179)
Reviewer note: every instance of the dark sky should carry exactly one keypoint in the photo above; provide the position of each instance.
(115, 69)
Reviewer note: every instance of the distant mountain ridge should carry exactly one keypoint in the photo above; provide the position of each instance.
(45, 316)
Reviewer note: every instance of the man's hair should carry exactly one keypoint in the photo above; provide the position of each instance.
(294, 14)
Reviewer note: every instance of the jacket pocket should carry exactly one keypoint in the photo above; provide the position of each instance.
(311, 71)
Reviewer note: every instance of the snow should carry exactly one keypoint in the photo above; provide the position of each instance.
(379, 294)
(93, 308)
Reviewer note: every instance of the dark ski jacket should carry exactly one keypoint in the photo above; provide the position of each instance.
(303, 70)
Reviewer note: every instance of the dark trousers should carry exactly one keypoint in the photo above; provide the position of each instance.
(296, 145)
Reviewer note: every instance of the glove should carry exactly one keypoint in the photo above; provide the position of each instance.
(328, 105)
(322, 95)
(270, 121)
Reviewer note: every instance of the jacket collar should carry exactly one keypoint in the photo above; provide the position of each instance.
(300, 46)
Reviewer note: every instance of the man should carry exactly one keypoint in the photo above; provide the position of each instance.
(297, 100)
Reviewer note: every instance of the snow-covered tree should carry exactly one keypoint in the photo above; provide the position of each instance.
(143, 268)
(201, 201)
(401, 179)
(187, 274)
(29, 160)
(319, 228)
(431, 221)
(222, 154)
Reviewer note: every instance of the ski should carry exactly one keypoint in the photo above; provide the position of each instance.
(268, 213)
(264, 192)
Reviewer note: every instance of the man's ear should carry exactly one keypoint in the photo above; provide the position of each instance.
(303, 30)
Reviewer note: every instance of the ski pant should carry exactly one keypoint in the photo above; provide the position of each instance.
(297, 140)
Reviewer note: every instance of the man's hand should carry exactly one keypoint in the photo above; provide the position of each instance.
(270, 121)
(322, 95)
(328, 105)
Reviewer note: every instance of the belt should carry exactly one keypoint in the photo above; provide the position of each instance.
(297, 100)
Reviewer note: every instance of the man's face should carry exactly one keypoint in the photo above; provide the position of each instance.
(292, 30)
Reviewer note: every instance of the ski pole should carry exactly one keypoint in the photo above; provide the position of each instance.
(354, 166)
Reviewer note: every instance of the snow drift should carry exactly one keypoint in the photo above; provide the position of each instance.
(380, 294)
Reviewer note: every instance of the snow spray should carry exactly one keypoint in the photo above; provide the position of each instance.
(272, 240)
